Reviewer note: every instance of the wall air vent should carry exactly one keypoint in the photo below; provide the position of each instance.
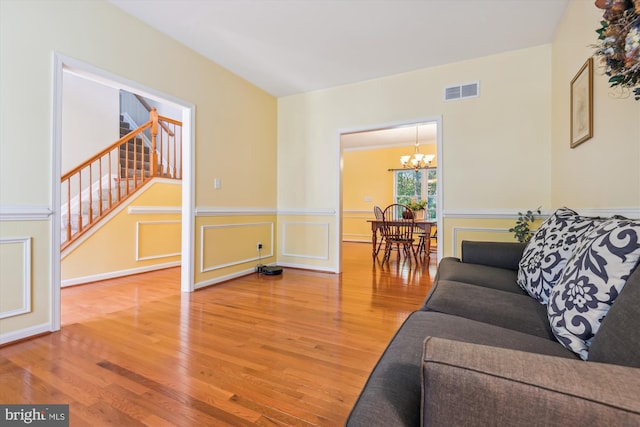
(467, 90)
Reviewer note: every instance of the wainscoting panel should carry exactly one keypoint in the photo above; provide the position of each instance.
(305, 240)
(355, 227)
(157, 239)
(15, 276)
(225, 245)
(479, 234)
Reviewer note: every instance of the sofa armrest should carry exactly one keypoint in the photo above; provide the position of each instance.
(470, 384)
(494, 254)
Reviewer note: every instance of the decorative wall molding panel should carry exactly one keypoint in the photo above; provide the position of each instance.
(15, 276)
(154, 229)
(314, 246)
(219, 249)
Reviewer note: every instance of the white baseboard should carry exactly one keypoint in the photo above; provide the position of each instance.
(115, 274)
(224, 278)
(307, 267)
(25, 333)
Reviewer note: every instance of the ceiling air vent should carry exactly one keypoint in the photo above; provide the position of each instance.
(468, 90)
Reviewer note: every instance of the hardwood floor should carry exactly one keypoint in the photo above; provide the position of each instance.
(292, 350)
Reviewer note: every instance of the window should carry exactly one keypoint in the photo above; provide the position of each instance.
(417, 185)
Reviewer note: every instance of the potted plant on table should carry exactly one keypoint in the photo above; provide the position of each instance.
(418, 208)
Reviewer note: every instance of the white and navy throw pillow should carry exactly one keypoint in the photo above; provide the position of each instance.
(546, 254)
(593, 277)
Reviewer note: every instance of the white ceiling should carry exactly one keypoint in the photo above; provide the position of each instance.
(293, 46)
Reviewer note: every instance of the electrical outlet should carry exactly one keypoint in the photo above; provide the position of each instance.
(259, 246)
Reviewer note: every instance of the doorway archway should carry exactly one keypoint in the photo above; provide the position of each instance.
(60, 66)
(384, 136)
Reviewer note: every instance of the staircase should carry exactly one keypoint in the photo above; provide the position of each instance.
(135, 157)
(96, 187)
(91, 211)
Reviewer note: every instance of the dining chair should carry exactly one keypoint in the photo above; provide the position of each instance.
(434, 239)
(377, 210)
(425, 239)
(422, 243)
(397, 229)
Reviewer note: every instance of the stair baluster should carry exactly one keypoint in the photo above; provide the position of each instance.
(135, 169)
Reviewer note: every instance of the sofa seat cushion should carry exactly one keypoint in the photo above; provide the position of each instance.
(508, 310)
(475, 385)
(548, 250)
(478, 274)
(391, 396)
(594, 276)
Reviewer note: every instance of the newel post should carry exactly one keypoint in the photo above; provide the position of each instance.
(153, 116)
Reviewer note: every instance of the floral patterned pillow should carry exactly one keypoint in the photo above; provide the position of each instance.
(591, 281)
(546, 254)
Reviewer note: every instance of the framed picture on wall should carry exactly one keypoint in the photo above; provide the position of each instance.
(582, 104)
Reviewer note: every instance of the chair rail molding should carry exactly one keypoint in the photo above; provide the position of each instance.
(629, 212)
(233, 211)
(307, 212)
(25, 213)
(154, 210)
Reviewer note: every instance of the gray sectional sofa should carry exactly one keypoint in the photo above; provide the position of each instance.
(482, 351)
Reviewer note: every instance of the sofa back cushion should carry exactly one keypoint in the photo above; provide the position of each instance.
(505, 255)
(593, 278)
(618, 340)
(546, 254)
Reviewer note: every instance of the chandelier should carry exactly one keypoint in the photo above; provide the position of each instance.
(417, 160)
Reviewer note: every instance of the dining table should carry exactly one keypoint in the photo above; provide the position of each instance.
(422, 224)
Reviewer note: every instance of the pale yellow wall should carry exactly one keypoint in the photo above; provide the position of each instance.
(235, 127)
(130, 242)
(602, 172)
(489, 143)
(367, 182)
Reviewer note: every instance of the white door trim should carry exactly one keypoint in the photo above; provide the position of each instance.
(62, 63)
(441, 163)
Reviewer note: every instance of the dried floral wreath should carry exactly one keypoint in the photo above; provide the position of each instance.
(619, 43)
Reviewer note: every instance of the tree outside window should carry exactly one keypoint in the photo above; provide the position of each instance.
(417, 185)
